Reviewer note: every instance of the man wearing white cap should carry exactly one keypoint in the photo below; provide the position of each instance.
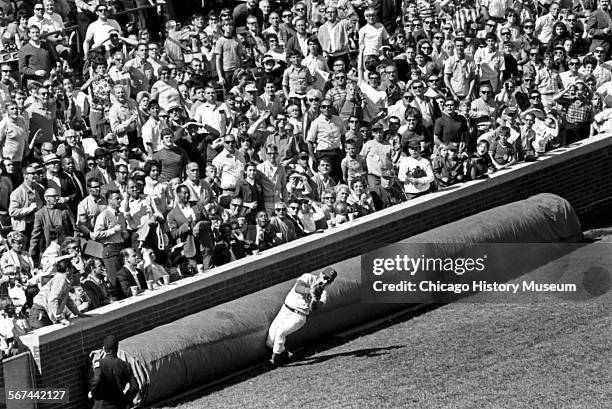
(308, 292)
(55, 180)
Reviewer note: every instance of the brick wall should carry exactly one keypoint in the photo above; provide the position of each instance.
(580, 174)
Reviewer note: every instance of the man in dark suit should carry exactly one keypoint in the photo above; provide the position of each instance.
(129, 276)
(50, 218)
(76, 180)
(190, 226)
(103, 171)
(295, 43)
(120, 181)
(228, 248)
(599, 27)
(387, 12)
(260, 236)
(55, 180)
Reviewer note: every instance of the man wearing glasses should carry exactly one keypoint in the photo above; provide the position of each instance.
(599, 27)
(230, 166)
(50, 217)
(333, 36)
(326, 138)
(346, 98)
(99, 31)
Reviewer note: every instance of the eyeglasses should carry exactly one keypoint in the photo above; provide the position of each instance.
(428, 22)
(490, 25)
(486, 92)
(341, 77)
(407, 96)
(417, 87)
(327, 198)
(394, 123)
(598, 51)
(294, 207)
(38, 9)
(230, 142)
(571, 20)
(280, 209)
(505, 34)
(425, 47)
(287, 15)
(326, 106)
(9, 71)
(299, 9)
(314, 99)
(574, 63)
(526, 27)
(353, 121)
(374, 78)
(535, 97)
(102, 10)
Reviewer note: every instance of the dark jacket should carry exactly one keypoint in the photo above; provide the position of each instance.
(111, 375)
(125, 280)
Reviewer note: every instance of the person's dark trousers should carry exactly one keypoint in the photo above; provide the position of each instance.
(112, 263)
(576, 132)
(335, 158)
(228, 76)
(135, 141)
(38, 317)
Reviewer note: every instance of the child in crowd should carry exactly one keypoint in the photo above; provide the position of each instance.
(481, 164)
(449, 168)
(502, 151)
(353, 166)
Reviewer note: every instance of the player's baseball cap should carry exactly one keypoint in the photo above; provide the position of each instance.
(330, 273)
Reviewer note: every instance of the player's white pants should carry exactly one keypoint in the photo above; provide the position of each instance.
(285, 323)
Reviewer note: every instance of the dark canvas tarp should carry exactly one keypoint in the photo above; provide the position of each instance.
(205, 346)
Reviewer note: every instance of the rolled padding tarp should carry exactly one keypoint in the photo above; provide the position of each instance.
(203, 347)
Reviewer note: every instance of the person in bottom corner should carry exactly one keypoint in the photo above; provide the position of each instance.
(113, 384)
(307, 294)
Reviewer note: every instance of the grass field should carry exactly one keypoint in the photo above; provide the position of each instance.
(540, 353)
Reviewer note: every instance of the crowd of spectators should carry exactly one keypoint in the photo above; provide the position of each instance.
(131, 157)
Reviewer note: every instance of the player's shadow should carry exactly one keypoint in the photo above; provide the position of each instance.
(365, 352)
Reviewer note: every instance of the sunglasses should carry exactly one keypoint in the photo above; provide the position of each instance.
(486, 92)
(528, 27)
(281, 209)
(505, 34)
(326, 106)
(574, 63)
(328, 198)
(230, 142)
(490, 25)
(314, 99)
(535, 97)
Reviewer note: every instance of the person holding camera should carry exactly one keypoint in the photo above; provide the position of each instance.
(307, 294)
(579, 115)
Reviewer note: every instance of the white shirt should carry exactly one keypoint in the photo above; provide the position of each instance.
(210, 115)
(300, 301)
(230, 168)
(98, 31)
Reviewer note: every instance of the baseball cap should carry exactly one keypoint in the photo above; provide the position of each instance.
(330, 273)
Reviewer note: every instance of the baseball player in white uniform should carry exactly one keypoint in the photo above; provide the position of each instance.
(308, 290)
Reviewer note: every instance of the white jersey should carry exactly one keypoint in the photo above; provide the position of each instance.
(299, 301)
